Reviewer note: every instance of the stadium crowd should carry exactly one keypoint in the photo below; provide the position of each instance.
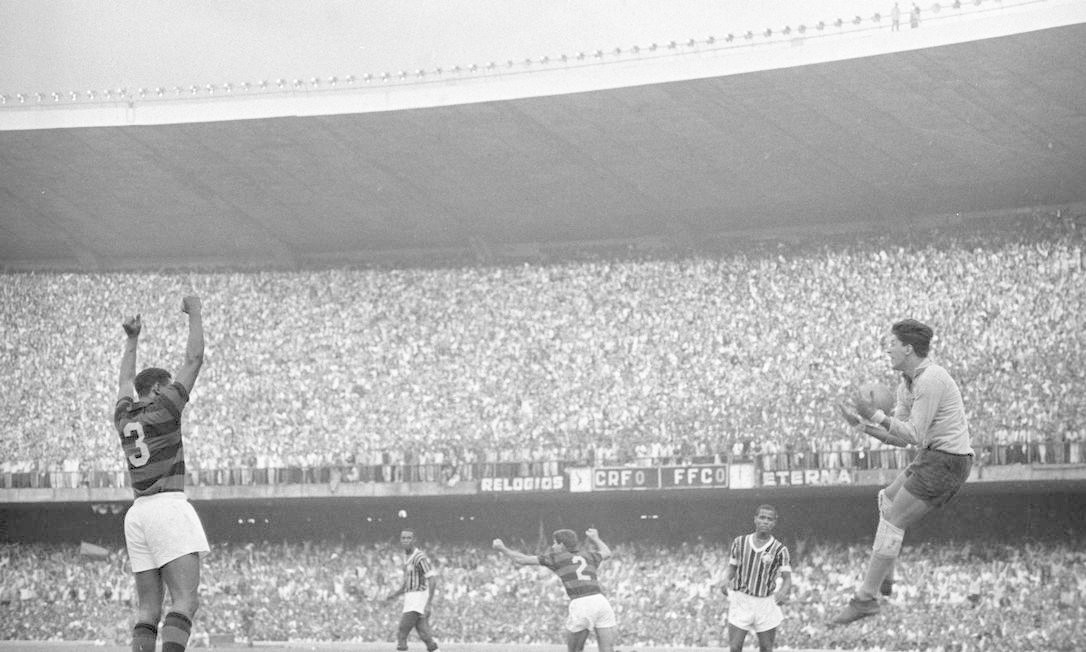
(956, 597)
(454, 371)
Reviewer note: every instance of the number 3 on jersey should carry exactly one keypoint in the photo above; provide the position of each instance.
(582, 564)
(142, 455)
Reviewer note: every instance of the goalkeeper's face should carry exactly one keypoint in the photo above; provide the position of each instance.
(896, 351)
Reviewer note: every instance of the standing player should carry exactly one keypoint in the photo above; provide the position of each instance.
(754, 600)
(164, 536)
(419, 583)
(589, 609)
(928, 414)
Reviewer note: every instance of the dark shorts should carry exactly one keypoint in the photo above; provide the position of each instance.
(935, 476)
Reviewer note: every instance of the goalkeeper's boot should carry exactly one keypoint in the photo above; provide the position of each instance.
(856, 609)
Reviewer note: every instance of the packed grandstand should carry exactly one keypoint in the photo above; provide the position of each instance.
(387, 374)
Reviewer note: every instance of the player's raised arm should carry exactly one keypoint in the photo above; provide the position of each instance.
(519, 558)
(125, 387)
(880, 426)
(194, 348)
(858, 415)
(885, 436)
(593, 535)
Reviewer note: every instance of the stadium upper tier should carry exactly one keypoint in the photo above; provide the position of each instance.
(976, 109)
(547, 360)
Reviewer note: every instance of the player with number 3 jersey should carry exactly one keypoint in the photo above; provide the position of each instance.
(151, 438)
(162, 531)
(589, 609)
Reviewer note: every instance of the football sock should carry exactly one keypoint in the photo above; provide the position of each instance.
(876, 571)
(143, 637)
(175, 632)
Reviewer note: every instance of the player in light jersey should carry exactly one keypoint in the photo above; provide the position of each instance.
(929, 415)
(162, 532)
(417, 589)
(755, 562)
(577, 567)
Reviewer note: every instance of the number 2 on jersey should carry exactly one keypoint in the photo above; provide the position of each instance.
(142, 454)
(581, 565)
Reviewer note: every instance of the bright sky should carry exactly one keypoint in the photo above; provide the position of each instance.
(66, 45)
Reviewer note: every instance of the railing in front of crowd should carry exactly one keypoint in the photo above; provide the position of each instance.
(450, 474)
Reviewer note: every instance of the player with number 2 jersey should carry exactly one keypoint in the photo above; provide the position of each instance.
(576, 569)
(589, 609)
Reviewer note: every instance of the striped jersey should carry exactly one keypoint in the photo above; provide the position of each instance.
(150, 432)
(576, 569)
(757, 567)
(417, 569)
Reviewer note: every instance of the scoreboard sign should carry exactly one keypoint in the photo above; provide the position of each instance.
(625, 478)
(689, 477)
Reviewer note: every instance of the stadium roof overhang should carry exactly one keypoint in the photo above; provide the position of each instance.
(987, 125)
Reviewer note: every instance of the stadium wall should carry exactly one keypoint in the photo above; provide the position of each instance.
(1040, 510)
(242, 484)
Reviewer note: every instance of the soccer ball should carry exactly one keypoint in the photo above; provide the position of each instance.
(879, 395)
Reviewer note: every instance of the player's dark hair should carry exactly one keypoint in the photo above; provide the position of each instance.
(770, 508)
(568, 539)
(147, 378)
(912, 332)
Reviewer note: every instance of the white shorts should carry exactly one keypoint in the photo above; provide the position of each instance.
(590, 612)
(415, 601)
(754, 614)
(160, 528)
